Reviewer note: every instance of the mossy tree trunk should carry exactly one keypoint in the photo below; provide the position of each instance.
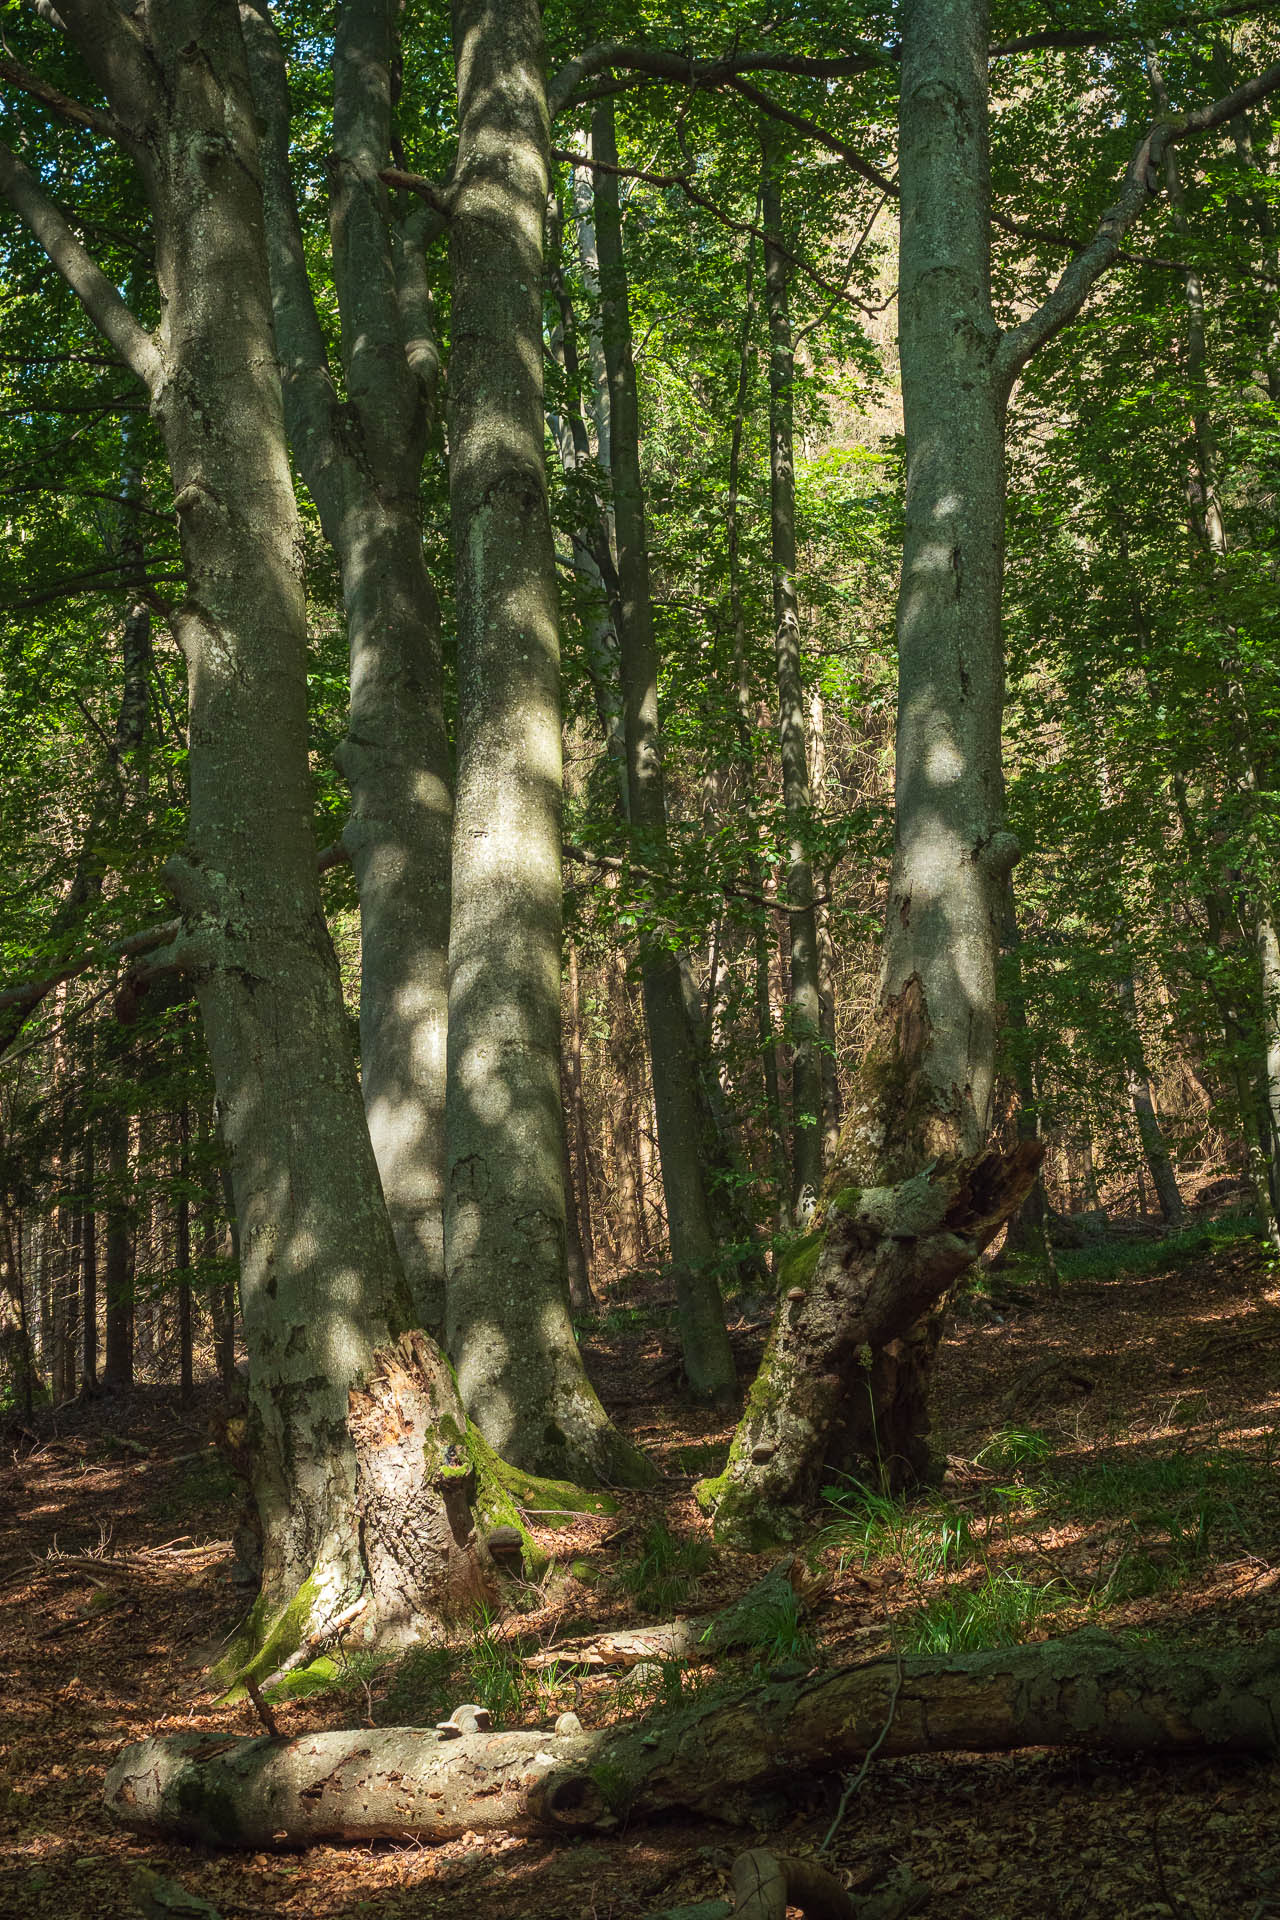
(361, 1501)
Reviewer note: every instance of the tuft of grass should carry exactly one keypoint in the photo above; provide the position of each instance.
(429, 1682)
(927, 1536)
(661, 1577)
(1014, 1447)
(767, 1622)
(1000, 1612)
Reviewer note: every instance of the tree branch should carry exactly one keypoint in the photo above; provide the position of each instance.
(1078, 276)
(136, 347)
(60, 103)
(658, 63)
(838, 290)
(802, 124)
(439, 198)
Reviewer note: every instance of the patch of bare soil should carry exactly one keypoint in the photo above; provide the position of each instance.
(1112, 1464)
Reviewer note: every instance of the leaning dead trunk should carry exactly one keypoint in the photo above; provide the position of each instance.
(510, 1333)
(322, 1290)
(392, 1782)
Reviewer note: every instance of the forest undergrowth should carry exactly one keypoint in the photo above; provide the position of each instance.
(1111, 1456)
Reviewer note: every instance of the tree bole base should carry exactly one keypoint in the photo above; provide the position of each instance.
(842, 1382)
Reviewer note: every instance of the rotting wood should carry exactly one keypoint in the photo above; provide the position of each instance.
(393, 1782)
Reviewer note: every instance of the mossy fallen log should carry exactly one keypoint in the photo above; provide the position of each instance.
(388, 1782)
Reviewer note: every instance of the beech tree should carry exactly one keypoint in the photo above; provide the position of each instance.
(345, 1526)
(916, 1193)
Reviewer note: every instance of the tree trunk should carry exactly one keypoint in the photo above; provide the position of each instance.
(361, 458)
(805, 1000)
(321, 1284)
(708, 1357)
(390, 1782)
(182, 1260)
(118, 1269)
(831, 1102)
(593, 562)
(845, 1374)
(88, 1272)
(745, 728)
(510, 1334)
(579, 1188)
(1155, 1148)
(623, 1119)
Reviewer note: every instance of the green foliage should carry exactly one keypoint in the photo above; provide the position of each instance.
(427, 1683)
(1003, 1610)
(1014, 1447)
(661, 1577)
(926, 1536)
(769, 1623)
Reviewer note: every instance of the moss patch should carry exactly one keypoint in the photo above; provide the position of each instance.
(264, 1641)
(799, 1262)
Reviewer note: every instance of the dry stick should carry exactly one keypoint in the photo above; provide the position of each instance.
(856, 1780)
(264, 1712)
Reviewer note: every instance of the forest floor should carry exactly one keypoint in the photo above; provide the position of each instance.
(1112, 1463)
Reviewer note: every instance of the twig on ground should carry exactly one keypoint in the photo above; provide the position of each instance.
(855, 1780)
(261, 1708)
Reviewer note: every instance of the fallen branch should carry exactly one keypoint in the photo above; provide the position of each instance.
(693, 1638)
(393, 1782)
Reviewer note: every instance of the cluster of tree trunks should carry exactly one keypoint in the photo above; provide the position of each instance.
(394, 1782)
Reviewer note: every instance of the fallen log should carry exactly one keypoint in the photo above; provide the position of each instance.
(389, 1782)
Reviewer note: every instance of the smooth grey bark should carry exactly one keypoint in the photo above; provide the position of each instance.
(745, 727)
(805, 1000)
(708, 1358)
(322, 1289)
(361, 456)
(510, 1334)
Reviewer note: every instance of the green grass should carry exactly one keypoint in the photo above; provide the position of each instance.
(1004, 1610)
(927, 1537)
(661, 1576)
(429, 1682)
(1109, 1257)
(1014, 1447)
(767, 1623)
